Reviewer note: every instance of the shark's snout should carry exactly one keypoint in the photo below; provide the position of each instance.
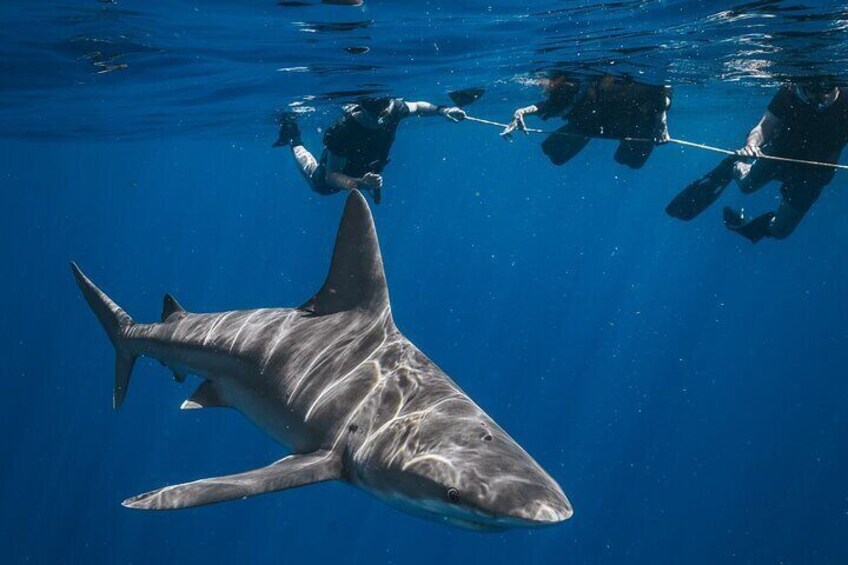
(541, 504)
(545, 513)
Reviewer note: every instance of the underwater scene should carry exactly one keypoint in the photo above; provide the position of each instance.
(426, 282)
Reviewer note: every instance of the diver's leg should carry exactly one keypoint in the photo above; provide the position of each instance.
(799, 194)
(634, 154)
(310, 168)
(313, 171)
(786, 219)
(563, 144)
(307, 164)
(753, 176)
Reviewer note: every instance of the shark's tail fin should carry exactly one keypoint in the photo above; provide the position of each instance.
(116, 322)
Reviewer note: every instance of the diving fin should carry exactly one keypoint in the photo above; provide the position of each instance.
(753, 230)
(289, 472)
(699, 195)
(289, 133)
(466, 96)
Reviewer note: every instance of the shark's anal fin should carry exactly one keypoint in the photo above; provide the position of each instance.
(170, 306)
(206, 396)
(289, 472)
(356, 278)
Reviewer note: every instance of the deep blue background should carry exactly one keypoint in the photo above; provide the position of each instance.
(686, 388)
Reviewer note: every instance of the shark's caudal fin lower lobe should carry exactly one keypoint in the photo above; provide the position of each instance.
(115, 321)
(356, 278)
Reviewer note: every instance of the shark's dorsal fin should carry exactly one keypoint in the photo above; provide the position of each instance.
(170, 306)
(356, 278)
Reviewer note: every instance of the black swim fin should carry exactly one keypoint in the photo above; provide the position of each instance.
(753, 231)
(699, 195)
(289, 133)
(466, 96)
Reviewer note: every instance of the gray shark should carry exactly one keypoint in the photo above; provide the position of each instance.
(336, 382)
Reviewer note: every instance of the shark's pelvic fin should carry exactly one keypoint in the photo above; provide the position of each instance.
(356, 278)
(289, 472)
(170, 306)
(116, 322)
(206, 396)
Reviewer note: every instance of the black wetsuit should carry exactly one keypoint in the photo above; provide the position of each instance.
(806, 133)
(614, 108)
(365, 150)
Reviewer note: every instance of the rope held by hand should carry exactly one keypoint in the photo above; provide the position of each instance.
(682, 142)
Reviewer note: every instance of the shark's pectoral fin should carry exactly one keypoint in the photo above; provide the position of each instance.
(206, 396)
(356, 278)
(289, 472)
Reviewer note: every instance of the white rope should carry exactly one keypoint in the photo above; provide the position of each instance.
(682, 142)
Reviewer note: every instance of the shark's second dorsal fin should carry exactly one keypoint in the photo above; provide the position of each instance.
(356, 278)
(170, 306)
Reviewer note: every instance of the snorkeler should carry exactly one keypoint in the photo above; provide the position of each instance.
(807, 121)
(356, 147)
(608, 107)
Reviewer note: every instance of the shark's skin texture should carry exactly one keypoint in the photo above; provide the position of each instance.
(337, 383)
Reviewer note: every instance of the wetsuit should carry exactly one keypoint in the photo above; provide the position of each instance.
(365, 150)
(806, 133)
(609, 107)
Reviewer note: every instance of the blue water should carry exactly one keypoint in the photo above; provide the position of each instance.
(686, 388)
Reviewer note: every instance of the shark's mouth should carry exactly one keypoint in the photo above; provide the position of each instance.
(459, 516)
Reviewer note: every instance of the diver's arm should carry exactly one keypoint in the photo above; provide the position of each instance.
(762, 133)
(426, 109)
(335, 178)
(517, 122)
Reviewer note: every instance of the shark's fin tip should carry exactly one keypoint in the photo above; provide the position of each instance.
(170, 306)
(189, 405)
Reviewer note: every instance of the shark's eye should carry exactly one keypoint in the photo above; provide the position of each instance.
(453, 495)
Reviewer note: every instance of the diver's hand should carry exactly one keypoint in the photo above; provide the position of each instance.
(370, 181)
(517, 123)
(663, 137)
(750, 152)
(453, 113)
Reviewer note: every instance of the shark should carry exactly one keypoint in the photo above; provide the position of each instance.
(337, 384)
